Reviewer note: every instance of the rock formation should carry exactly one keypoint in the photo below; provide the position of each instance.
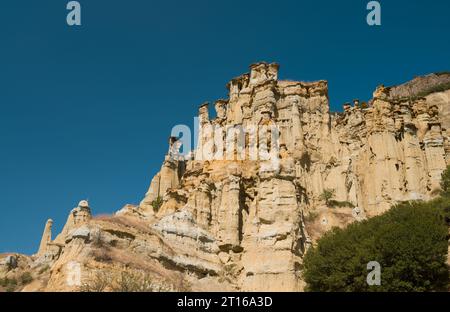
(238, 212)
(393, 150)
(46, 238)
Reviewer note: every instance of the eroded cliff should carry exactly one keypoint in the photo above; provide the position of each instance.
(238, 219)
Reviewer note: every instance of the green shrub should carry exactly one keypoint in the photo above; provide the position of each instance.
(26, 278)
(313, 215)
(409, 241)
(157, 203)
(132, 282)
(327, 195)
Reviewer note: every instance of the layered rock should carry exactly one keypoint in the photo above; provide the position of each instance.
(239, 212)
(394, 149)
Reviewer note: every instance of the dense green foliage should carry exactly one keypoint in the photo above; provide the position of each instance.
(445, 183)
(327, 195)
(409, 242)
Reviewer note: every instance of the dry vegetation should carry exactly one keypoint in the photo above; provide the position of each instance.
(130, 223)
(139, 225)
(128, 280)
(135, 268)
(133, 261)
(125, 280)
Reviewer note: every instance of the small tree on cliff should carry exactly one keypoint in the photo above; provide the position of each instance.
(327, 196)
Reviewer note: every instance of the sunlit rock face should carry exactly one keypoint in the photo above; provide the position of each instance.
(226, 220)
(393, 148)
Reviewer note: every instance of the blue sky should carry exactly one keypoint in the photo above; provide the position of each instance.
(86, 111)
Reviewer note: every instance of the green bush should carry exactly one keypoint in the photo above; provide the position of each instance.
(123, 281)
(26, 278)
(409, 242)
(312, 216)
(9, 284)
(132, 282)
(157, 203)
(98, 282)
(327, 195)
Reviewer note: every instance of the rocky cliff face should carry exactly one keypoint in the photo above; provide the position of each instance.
(240, 216)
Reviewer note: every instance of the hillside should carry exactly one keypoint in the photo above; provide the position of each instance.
(272, 172)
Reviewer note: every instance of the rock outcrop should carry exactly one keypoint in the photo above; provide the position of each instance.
(239, 211)
(393, 149)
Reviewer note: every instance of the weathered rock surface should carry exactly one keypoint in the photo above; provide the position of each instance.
(221, 219)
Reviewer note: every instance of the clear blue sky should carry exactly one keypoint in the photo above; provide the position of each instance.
(86, 112)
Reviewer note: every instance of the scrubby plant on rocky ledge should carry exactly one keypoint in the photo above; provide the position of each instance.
(10, 284)
(445, 183)
(157, 203)
(443, 87)
(312, 215)
(410, 242)
(328, 196)
(26, 278)
(125, 280)
(97, 282)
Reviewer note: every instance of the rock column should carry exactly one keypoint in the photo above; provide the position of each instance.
(46, 238)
